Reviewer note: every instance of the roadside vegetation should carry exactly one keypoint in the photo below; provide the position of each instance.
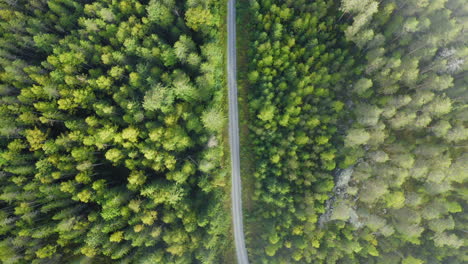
(246, 155)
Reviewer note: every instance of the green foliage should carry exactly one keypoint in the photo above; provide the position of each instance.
(161, 12)
(299, 66)
(112, 115)
(198, 17)
(107, 108)
(406, 102)
(399, 69)
(46, 252)
(213, 120)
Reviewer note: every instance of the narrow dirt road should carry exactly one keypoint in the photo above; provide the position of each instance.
(236, 192)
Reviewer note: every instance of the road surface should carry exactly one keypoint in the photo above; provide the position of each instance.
(236, 191)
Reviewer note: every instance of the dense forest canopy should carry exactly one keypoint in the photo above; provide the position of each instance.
(358, 115)
(113, 131)
(111, 121)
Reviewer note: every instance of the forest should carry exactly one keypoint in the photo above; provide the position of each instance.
(112, 119)
(358, 124)
(114, 142)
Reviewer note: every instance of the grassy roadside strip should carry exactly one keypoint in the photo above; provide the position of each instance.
(246, 152)
(229, 255)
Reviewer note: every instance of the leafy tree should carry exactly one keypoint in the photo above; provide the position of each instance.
(198, 17)
(161, 12)
(356, 137)
(213, 120)
(159, 98)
